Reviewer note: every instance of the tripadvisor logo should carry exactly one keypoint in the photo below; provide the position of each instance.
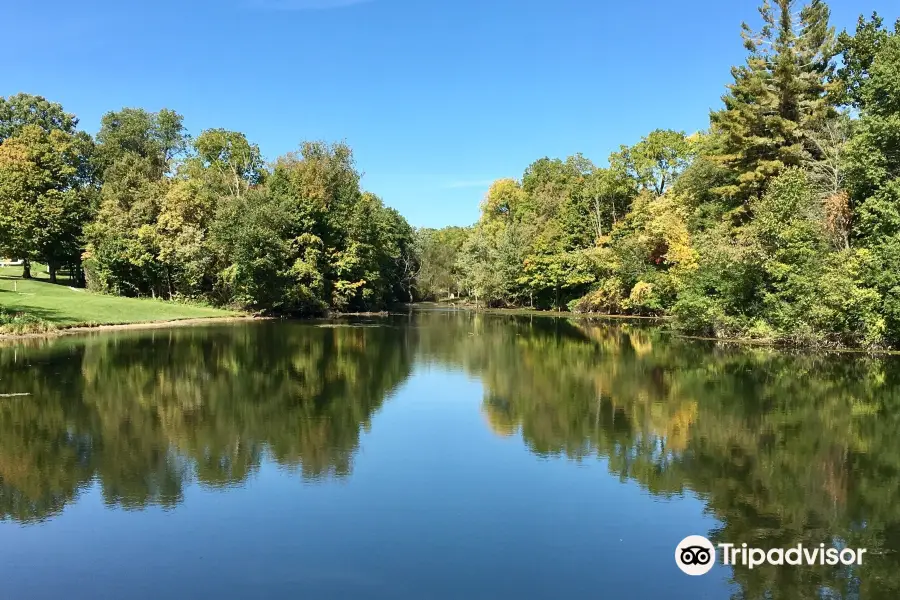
(696, 555)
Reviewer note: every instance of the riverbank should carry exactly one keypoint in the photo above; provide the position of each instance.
(36, 307)
(127, 326)
(467, 306)
(783, 345)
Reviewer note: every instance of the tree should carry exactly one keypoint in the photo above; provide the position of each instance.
(777, 96)
(21, 110)
(873, 175)
(438, 251)
(157, 138)
(506, 200)
(829, 178)
(476, 259)
(655, 162)
(127, 251)
(858, 52)
(18, 113)
(609, 193)
(43, 201)
(229, 155)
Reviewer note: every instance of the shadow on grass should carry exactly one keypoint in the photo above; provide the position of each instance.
(46, 314)
(63, 280)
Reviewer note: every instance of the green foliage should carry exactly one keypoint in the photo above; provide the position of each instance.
(858, 52)
(873, 171)
(777, 96)
(439, 276)
(148, 211)
(154, 138)
(18, 323)
(777, 278)
(22, 110)
(656, 161)
(43, 202)
(570, 226)
(204, 220)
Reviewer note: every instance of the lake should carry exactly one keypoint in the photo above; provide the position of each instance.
(438, 455)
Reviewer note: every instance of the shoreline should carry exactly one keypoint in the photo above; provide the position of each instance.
(195, 321)
(771, 344)
(81, 329)
(530, 311)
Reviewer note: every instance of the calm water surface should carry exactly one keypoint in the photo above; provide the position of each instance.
(439, 455)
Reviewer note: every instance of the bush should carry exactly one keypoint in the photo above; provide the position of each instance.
(643, 299)
(608, 299)
(92, 279)
(18, 323)
(698, 314)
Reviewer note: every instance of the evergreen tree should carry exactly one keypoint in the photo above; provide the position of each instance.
(777, 96)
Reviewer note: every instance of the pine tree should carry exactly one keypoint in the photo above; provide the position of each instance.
(777, 97)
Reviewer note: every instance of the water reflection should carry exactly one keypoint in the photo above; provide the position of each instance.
(782, 449)
(145, 414)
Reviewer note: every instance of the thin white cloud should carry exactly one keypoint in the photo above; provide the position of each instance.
(481, 183)
(305, 4)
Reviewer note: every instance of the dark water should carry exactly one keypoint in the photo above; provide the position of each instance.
(439, 455)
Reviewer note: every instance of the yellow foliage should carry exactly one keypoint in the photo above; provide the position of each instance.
(662, 221)
(500, 423)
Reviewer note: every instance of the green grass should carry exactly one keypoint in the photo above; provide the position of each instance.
(38, 305)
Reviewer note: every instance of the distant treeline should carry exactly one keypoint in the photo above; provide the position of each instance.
(781, 221)
(144, 209)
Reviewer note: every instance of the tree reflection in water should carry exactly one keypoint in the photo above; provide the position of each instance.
(783, 449)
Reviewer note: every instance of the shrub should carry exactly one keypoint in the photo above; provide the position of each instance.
(608, 298)
(17, 323)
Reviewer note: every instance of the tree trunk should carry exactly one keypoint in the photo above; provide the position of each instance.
(77, 276)
(51, 268)
(598, 217)
(26, 269)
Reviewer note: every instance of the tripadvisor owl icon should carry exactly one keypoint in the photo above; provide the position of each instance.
(695, 555)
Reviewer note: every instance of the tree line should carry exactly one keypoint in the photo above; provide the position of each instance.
(780, 221)
(145, 209)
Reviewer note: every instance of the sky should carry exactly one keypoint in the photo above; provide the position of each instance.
(437, 98)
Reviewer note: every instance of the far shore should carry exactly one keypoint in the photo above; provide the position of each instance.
(466, 306)
(86, 328)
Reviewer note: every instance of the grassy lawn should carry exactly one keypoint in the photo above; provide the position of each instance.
(67, 307)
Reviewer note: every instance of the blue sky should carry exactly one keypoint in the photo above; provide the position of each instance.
(436, 97)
